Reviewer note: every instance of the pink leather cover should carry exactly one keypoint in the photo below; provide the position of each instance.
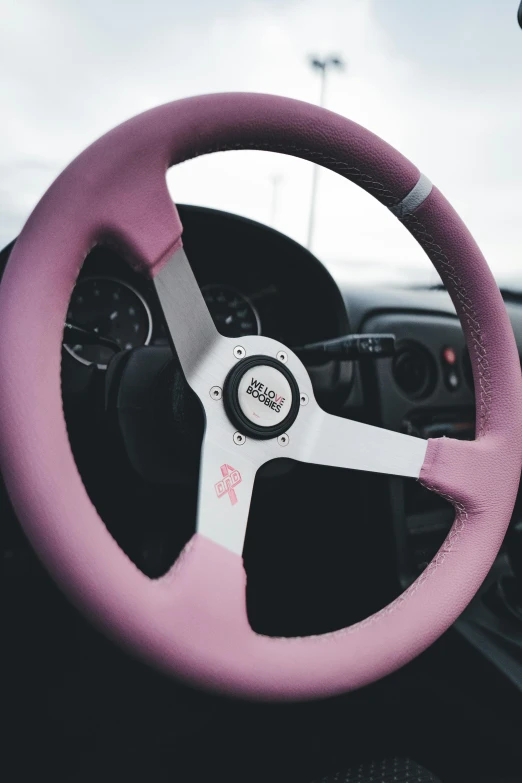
(193, 622)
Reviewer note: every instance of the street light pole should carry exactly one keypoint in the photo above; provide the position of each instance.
(322, 66)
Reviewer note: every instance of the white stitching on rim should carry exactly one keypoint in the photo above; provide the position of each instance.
(468, 311)
(343, 168)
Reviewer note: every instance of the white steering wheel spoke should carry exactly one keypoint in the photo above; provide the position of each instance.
(228, 468)
(323, 439)
(226, 481)
(189, 322)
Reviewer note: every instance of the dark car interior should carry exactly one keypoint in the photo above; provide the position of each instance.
(81, 709)
(325, 547)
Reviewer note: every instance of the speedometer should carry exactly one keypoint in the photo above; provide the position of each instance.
(113, 309)
(233, 313)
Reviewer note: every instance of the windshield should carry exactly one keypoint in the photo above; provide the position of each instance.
(441, 81)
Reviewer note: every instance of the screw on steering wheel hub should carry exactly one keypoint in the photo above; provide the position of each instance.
(261, 397)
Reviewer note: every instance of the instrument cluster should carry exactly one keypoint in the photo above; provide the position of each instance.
(115, 311)
(254, 281)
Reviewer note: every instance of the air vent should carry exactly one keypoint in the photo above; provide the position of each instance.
(414, 370)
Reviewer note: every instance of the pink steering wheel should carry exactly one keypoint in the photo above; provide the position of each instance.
(258, 402)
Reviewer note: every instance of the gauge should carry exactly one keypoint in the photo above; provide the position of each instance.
(113, 309)
(233, 314)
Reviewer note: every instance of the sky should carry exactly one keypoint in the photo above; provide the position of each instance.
(441, 80)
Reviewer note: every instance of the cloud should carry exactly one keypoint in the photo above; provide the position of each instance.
(444, 88)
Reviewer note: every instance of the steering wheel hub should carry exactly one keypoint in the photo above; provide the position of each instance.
(261, 397)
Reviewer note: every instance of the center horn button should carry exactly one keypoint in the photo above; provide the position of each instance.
(261, 397)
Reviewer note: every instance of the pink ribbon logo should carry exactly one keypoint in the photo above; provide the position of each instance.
(231, 478)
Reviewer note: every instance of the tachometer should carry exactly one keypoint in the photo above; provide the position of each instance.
(233, 314)
(113, 309)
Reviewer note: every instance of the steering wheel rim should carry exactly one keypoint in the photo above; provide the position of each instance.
(193, 622)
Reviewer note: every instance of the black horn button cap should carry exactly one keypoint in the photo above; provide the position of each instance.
(261, 397)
